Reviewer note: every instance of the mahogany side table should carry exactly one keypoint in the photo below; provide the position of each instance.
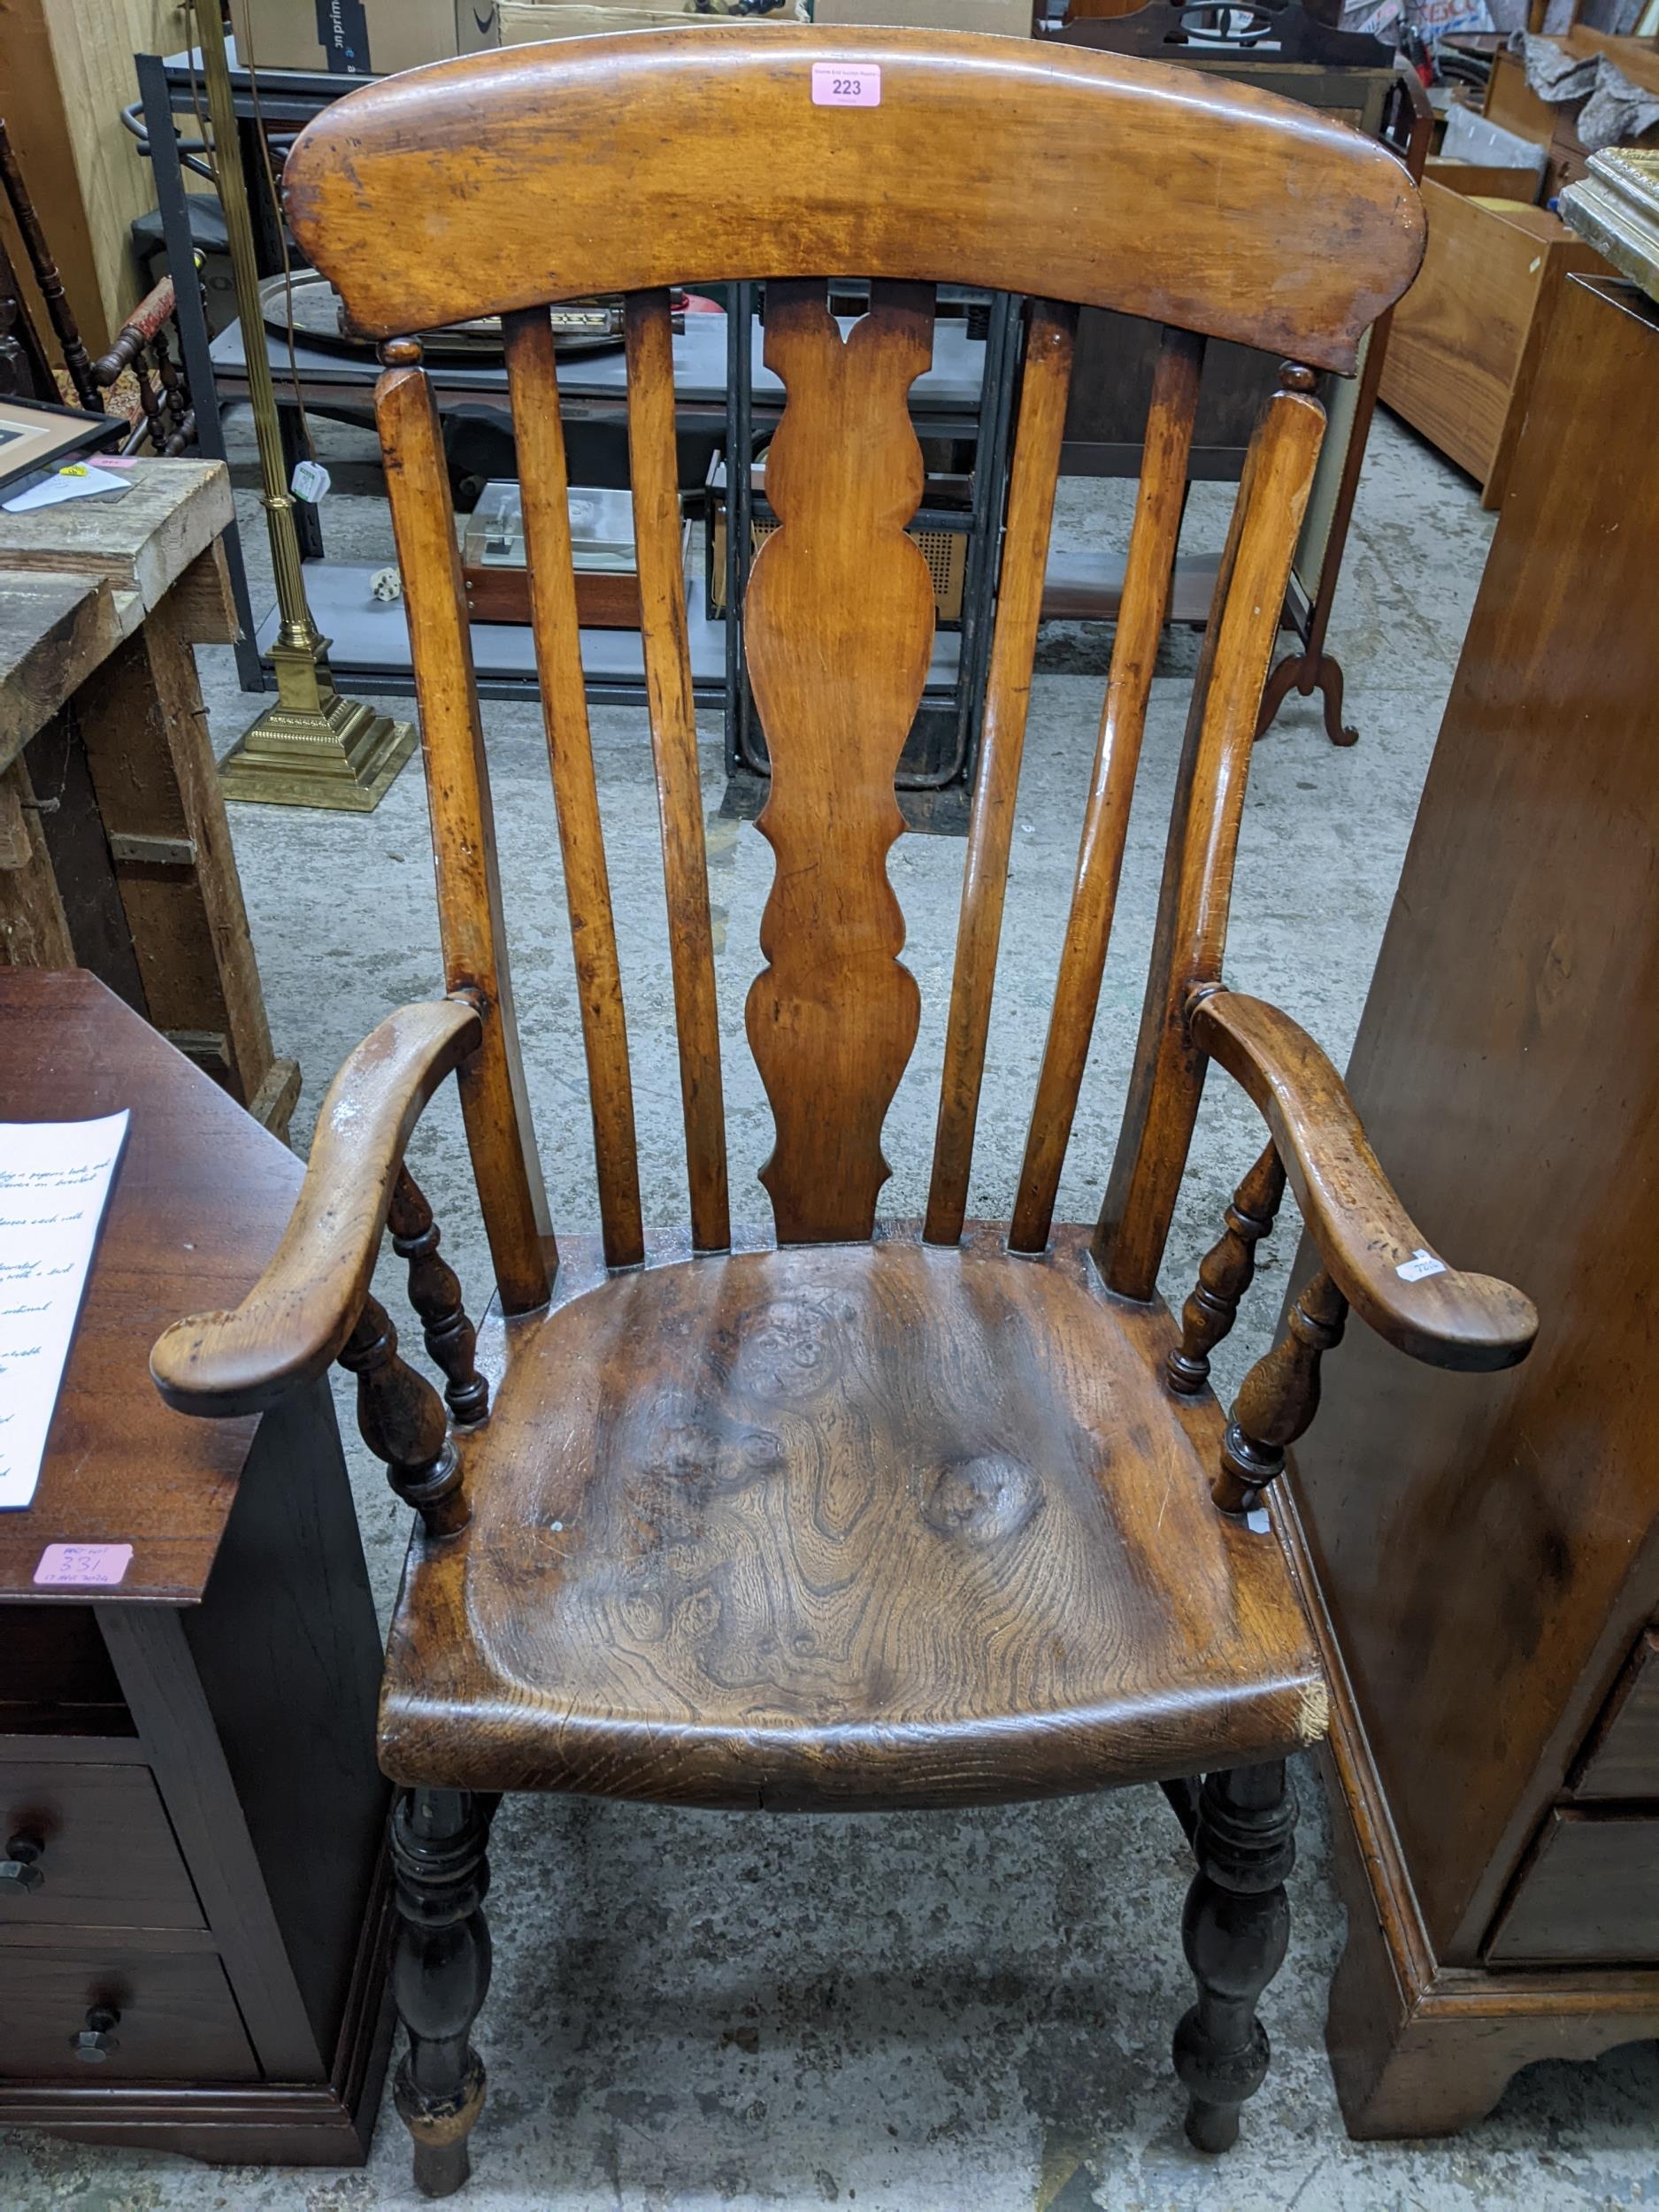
(193, 1896)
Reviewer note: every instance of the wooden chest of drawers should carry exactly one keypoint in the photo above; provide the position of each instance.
(193, 1907)
(1482, 1551)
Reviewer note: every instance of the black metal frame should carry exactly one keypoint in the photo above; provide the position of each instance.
(943, 742)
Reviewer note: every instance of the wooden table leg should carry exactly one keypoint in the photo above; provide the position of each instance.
(145, 732)
(33, 932)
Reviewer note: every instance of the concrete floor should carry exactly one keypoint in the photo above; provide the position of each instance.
(907, 2013)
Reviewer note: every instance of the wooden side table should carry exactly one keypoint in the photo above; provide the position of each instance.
(1483, 1552)
(193, 1956)
(115, 854)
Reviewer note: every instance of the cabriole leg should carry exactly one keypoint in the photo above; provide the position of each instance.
(1234, 1931)
(439, 1975)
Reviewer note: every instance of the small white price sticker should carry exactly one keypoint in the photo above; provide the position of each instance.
(1419, 1267)
(845, 85)
(308, 482)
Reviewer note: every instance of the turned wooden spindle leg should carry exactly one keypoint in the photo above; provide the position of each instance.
(1280, 1397)
(402, 1419)
(435, 1295)
(1224, 1273)
(1234, 1931)
(439, 1975)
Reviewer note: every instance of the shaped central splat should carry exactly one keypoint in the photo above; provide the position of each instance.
(839, 622)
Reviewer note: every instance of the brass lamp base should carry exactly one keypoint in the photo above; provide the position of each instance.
(314, 748)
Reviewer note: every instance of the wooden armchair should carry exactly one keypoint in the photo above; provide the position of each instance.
(846, 1514)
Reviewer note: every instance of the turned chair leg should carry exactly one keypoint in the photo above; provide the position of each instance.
(1234, 1931)
(439, 1975)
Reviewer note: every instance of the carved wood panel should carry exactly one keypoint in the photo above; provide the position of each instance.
(839, 624)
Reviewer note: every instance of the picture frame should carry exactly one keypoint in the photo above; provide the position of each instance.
(37, 436)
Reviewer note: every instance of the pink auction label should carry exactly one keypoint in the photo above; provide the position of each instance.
(845, 85)
(84, 1566)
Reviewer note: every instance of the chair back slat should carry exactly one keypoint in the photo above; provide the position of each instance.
(532, 384)
(495, 184)
(656, 529)
(1193, 907)
(1044, 387)
(1144, 607)
(838, 628)
(499, 1130)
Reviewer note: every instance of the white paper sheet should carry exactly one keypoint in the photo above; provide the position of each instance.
(81, 479)
(54, 1179)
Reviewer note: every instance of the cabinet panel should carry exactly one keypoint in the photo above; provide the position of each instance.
(1621, 1756)
(1589, 1892)
(108, 1859)
(177, 2019)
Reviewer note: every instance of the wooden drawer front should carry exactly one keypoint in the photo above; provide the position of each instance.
(1621, 1756)
(178, 2019)
(111, 1860)
(1588, 1895)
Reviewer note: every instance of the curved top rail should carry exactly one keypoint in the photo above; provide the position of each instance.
(635, 159)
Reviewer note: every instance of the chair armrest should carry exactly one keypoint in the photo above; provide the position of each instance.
(1364, 1233)
(293, 1321)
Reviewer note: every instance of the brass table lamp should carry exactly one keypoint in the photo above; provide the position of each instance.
(314, 747)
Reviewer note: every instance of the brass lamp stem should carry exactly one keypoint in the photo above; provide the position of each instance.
(314, 747)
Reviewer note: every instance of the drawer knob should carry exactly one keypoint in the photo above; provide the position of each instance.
(21, 1870)
(93, 2044)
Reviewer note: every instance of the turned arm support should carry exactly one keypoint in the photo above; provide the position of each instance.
(1362, 1232)
(299, 1315)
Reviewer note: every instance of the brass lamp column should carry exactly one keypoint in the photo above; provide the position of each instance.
(314, 747)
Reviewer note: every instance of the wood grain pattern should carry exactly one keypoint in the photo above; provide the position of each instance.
(1364, 1235)
(1544, 1046)
(1417, 2048)
(178, 2018)
(108, 1858)
(55, 628)
(1322, 227)
(875, 1524)
(197, 1208)
(1049, 339)
(839, 626)
(1589, 1892)
(533, 382)
(652, 457)
(499, 1130)
(1466, 339)
(1143, 609)
(293, 1323)
(1279, 1396)
(33, 928)
(1197, 887)
(1225, 1272)
(1622, 1757)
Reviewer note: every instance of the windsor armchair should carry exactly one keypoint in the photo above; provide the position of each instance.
(850, 1513)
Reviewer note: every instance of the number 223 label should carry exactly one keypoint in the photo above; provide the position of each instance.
(835, 85)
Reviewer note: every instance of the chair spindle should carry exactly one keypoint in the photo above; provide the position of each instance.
(500, 1133)
(402, 1421)
(1142, 611)
(657, 531)
(1278, 1397)
(1224, 1273)
(1049, 343)
(435, 1295)
(1203, 840)
(533, 383)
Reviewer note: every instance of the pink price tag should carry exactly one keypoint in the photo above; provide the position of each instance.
(84, 1566)
(845, 85)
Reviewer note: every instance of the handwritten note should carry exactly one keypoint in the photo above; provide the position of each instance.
(54, 1179)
